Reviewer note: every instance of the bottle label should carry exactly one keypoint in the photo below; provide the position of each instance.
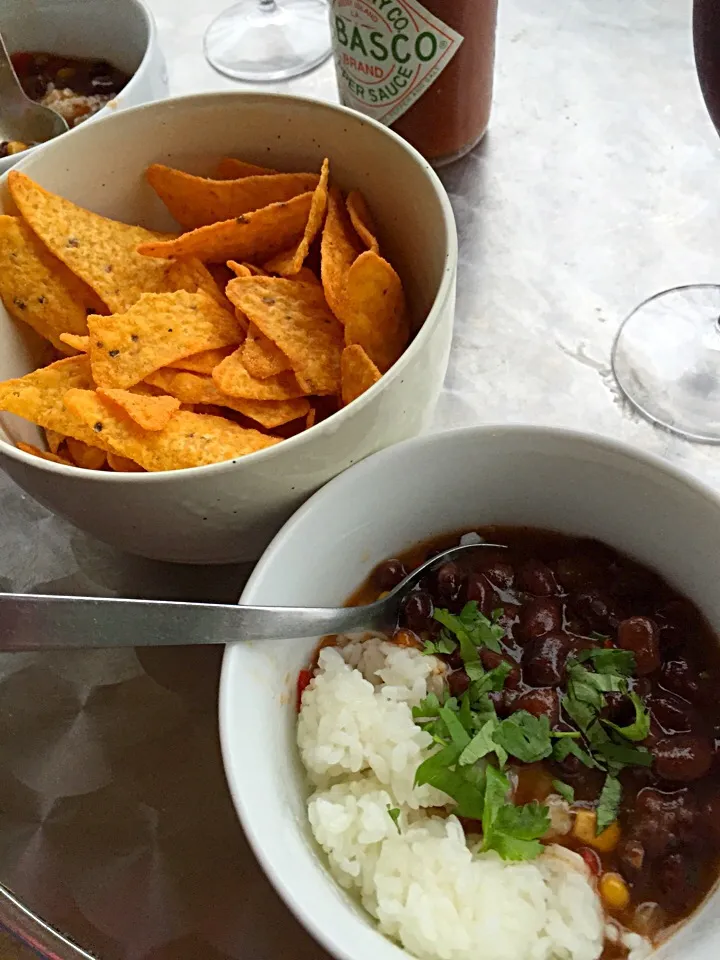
(387, 54)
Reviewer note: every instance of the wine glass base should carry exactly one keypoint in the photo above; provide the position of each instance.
(267, 40)
(666, 360)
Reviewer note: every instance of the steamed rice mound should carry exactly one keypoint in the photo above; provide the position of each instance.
(419, 877)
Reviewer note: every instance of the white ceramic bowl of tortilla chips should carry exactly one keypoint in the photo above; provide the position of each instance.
(229, 511)
(123, 32)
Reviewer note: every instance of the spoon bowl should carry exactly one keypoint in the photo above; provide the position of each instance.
(21, 119)
(35, 622)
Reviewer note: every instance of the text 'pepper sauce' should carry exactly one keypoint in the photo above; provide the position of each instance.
(425, 70)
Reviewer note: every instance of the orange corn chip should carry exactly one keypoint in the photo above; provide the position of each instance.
(261, 357)
(192, 388)
(81, 344)
(253, 236)
(203, 362)
(197, 201)
(54, 439)
(310, 418)
(231, 169)
(86, 456)
(38, 396)
(288, 264)
(40, 290)
(150, 413)
(362, 220)
(306, 275)
(359, 373)
(189, 440)
(43, 454)
(376, 317)
(102, 252)
(159, 329)
(192, 275)
(234, 379)
(123, 464)
(240, 269)
(339, 249)
(297, 319)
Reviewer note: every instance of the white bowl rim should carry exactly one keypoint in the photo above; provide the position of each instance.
(365, 468)
(428, 325)
(108, 110)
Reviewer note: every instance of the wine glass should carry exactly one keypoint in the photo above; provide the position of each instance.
(666, 356)
(268, 40)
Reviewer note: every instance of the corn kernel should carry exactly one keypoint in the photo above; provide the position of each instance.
(614, 891)
(585, 827)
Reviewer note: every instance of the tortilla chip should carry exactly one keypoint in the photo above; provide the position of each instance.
(192, 388)
(234, 379)
(306, 275)
(38, 396)
(310, 418)
(192, 275)
(40, 290)
(43, 454)
(81, 344)
(261, 357)
(203, 362)
(297, 319)
(252, 236)
(288, 264)
(102, 252)
(240, 269)
(86, 456)
(197, 201)
(53, 440)
(231, 169)
(123, 464)
(189, 440)
(339, 248)
(150, 413)
(159, 329)
(359, 373)
(376, 317)
(362, 220)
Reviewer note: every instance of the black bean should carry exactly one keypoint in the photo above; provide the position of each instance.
(539, 616)
(544, 660)
(418, 611)
(389, 574)
(683, 757)
(679, 677)
(490, 659)
(537, 578)
(480, 590)
(458, 682)
(541, 702)
(500, 574)
(449, 581)
(639, 635)
(673, 714)
(597, 609)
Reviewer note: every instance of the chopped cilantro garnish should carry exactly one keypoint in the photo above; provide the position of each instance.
(482, 744)
(490, 681)
(458, 734)
(625, 756)
(609, 803)
(512, 831)
(610, 660)
(566, 747)
(429, 707)
(525, 737)
(471, 629)
(640, 727)
(565, 790)
(444, 644)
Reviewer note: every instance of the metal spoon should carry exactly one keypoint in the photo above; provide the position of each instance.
(34, 622)
(20, 117)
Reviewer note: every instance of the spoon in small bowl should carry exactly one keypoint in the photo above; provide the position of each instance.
(21, 119)
(34, 622)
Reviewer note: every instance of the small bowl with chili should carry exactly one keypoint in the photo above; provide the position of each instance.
(83, 60)
(583, 655)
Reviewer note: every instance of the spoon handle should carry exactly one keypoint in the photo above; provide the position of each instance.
(35, 622)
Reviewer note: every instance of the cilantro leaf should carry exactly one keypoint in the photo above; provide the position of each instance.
(497, 787)
(565, 747)
(493, 680)
(515, 831)
(458, 734)
(582, 714)
(610, 660)
(475, 670)
(472, 630)
(565, 790)
(525, 737)
(436, 764)
(465, 715)
(444, 644)
(427, 708)
(608, 804)
(481, 744)
(624, 755)
(640, 727)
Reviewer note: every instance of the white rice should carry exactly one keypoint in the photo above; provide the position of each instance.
(419, 877)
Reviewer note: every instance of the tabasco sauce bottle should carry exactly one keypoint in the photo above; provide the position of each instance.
(423, 68)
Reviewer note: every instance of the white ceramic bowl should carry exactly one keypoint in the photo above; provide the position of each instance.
(122, 32)
(229, 511)
(569, 482)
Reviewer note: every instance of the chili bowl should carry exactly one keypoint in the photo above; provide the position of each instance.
(573, 483)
